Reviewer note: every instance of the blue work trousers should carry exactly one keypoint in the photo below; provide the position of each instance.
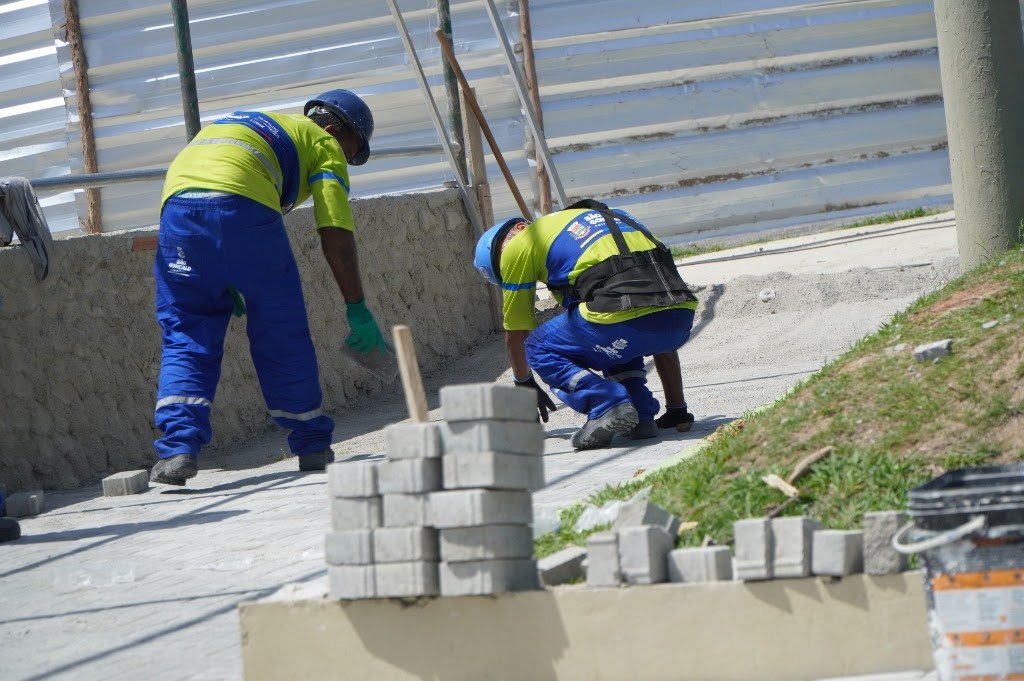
(567, 350)
(206, 246)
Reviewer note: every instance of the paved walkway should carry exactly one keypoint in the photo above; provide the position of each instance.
(147, 586)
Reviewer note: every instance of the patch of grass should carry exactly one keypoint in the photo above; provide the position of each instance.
(894, 217)
(892, 422)
(691, 250)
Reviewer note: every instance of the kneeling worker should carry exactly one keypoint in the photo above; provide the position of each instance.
(624, 299)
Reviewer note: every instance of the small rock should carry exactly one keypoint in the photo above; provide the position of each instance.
(990, 324)
(923, 353)
(767, 295)
(1006, 318)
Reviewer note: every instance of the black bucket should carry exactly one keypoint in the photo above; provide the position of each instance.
(968, 526)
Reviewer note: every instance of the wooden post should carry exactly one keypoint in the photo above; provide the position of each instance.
(412, 383)
(73, 37)
(477, 165)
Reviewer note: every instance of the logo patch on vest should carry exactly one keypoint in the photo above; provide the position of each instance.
(578, 231)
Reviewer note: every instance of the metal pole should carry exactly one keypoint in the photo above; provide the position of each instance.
(981, 59)
(186, 68)
(524, 100)
(451, 89)
(93, 219)
(414, 60)
(530, 67)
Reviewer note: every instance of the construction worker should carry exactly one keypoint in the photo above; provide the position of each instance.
(624, 299)
(223, 248)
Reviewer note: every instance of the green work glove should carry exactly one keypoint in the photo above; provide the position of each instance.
(365, 336)
(239, 310)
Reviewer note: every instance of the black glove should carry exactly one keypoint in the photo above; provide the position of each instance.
(544, 403)
(675, 417)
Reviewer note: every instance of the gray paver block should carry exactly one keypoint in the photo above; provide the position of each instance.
(643, 554)
(24, 504)
(125, 484)
(480, 401)
(349, 547)
(838, 552)
(637, 512)
(470, 507)
(486, 542)
(792, 546)
(414, 440)
(493, 470)
(563, 566)
(603, 559)
(355, 514)
(406, 510)
(880, 558)
(512, 437)
(753, 548)
(409, 476)
(352, 479)
(700, 564)
(928, 351)
(405, 544)
(351, 582)
(417, 578)
(488, 577)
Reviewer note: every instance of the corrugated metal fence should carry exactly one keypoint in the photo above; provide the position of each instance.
(699, 115)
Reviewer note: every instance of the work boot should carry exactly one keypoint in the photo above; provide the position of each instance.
(174, 470)
(599, 432)
(317, 461)
(644, 430)
(9, 529)
(677, 417)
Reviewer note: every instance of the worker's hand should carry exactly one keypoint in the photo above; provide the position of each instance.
(544, 403)
(365, 336)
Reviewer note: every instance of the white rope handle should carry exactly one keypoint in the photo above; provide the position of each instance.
(949, 536)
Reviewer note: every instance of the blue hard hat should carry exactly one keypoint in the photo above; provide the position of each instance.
(488, 258)
(353, 112)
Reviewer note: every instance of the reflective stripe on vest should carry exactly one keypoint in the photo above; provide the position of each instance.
(272, 170)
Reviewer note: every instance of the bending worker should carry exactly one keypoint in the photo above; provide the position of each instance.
(624, 299)
(222, 241)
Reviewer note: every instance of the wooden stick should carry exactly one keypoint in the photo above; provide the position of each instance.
(93, 221)
(467, 92)
(804, 466)
(412, 383)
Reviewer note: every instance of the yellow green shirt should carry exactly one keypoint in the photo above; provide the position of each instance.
(555, 248)
(279, 160)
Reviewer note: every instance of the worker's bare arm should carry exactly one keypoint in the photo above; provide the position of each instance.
(515, 343)
(339, 247)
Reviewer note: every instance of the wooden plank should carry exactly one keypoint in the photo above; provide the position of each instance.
(412, 382)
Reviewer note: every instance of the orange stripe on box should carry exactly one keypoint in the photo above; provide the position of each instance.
(978, 580)
(144, 243)
(998, 637)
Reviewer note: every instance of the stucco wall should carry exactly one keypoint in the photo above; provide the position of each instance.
(80, 351)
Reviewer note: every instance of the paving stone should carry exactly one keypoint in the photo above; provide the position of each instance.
(838, 552)
(349, 547)
(470, 507)
(355, 514)
(486, 542)
(24, 504)
(352, 479)
(349, 582)
(405, 544)
(880, 558)
(929, 351)
(493, 470)
(753, 549)
(488, 577)
(700, 564)
(417, 578)
(793, 542)
(125, 484)
(480, 401)
(409, 476)
(414, 440)
(603, 559)
(639, 511)
(512, 437)
(563, 566)
(406, 510)
(643, 554)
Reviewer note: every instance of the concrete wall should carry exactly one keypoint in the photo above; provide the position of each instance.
(727, 631)
(80, 351)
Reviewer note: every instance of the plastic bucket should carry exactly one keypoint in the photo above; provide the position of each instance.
(968, 526)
